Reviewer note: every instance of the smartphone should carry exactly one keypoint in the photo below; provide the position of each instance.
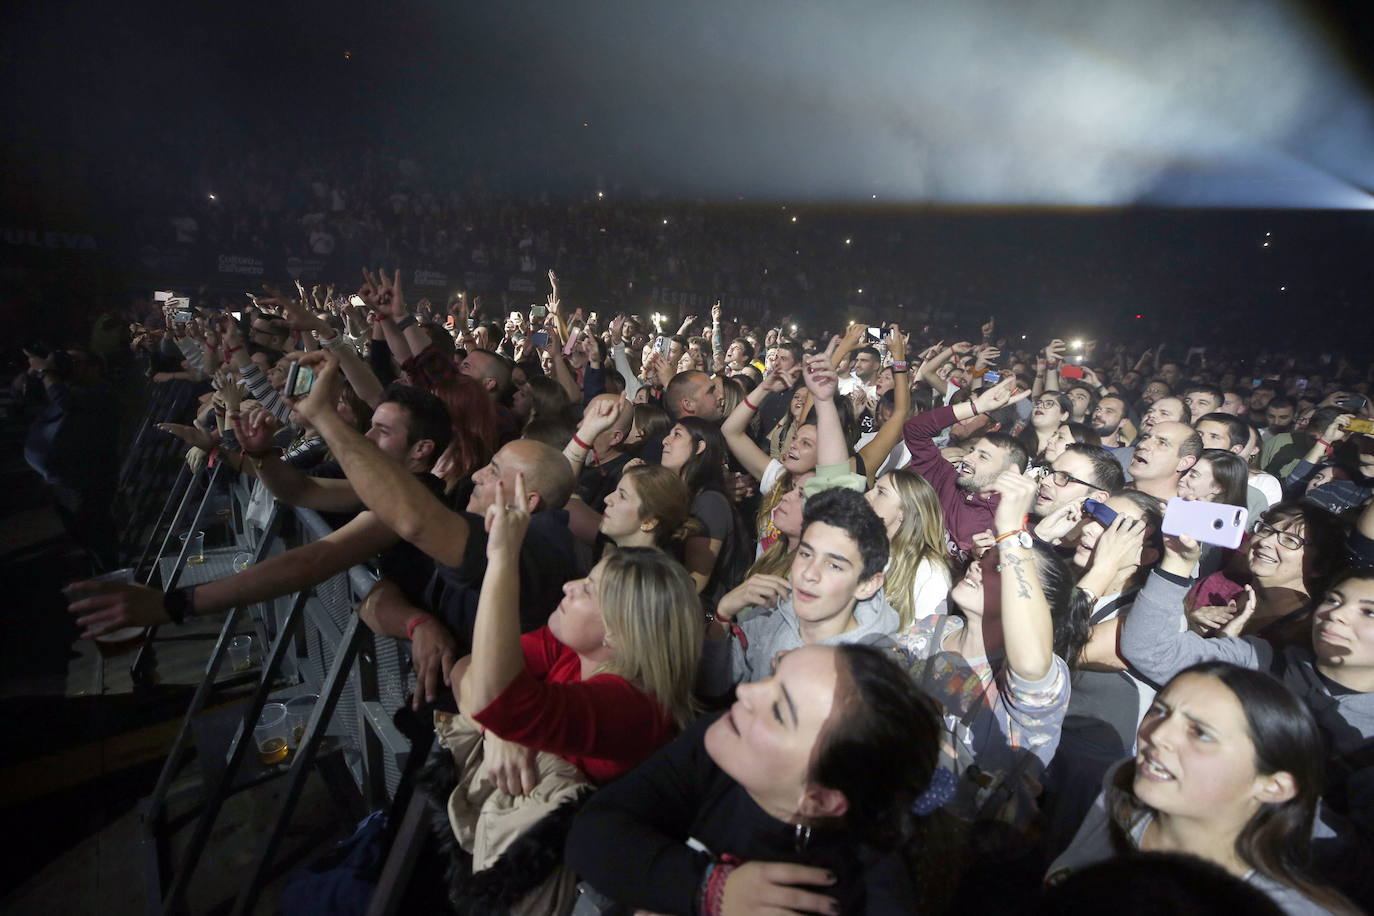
(875, 333)
(162, 295)
(992, 377)
(299, 380)
(540, 338)
(182, 316)
(1099, 511)
(356, 300)
(1354, 402)
(1360, 426)
(661, 344)
(472, 323)
(1067, 371)
(572, 341)
(1302, 384)
(1210, 523)
(539, 311)
(515, 317)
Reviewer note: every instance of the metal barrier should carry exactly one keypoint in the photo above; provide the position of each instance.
(318, 645)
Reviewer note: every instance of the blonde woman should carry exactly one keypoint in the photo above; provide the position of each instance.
(917, 580)
(605, 684)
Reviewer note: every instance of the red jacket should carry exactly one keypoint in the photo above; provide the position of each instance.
(966, 514)
(604, 725)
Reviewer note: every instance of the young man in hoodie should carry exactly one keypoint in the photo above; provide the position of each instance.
(832, 595)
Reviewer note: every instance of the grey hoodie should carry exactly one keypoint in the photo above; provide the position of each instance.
(724, 663)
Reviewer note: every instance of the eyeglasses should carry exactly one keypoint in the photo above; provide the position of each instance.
(1285, 539)
(1061, 479)
(1047, 403)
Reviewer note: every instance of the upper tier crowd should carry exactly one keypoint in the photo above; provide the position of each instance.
(814, 619)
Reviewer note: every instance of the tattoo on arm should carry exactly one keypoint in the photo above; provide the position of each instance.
(1022, 584)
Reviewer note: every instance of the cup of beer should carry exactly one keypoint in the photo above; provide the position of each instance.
(240, 653)
(125, 639)
(272, 734)
(195, 546)
(298, 710)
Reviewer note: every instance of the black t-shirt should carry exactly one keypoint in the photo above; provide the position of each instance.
(600, 481)
(407, 565)
(630, 840)
(547, 561)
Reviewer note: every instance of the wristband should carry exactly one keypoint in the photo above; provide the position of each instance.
(580, 444)
(1326, 445)
(177, 603)
(406, 323)
(331, 343)
(748, 404)
(974, 404)
(230, 351)
(899, 365)
(415, 623)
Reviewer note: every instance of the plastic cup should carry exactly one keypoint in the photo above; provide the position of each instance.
(272, 735)
(240, 653)
(195, 546)
(298, 711)
(242, 561)
(125, 639)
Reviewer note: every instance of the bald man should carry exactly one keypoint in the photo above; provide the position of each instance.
(455, 540)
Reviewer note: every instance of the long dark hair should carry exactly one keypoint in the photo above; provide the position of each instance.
(1070, 608)
(704, 470)
(1276, 841)
(1230, 472)
(881, 749)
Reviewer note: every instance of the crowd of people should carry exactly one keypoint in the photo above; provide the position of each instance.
(822, 619)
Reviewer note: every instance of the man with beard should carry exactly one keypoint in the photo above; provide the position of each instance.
(1108, 420)
(965, 488)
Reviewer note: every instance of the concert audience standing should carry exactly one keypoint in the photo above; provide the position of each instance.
(941, 599)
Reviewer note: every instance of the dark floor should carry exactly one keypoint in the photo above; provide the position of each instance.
(85, 746)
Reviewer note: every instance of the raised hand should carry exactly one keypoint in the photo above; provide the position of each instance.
(896, 343)
(508, 518)
(1018, 492)
(601, 414)
(1000, 395)
(715, 312)
(820, 377)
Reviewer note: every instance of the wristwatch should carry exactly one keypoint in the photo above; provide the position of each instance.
(1018, 538)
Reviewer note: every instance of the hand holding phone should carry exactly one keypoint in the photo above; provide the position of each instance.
(299, 380)
(1208, 523)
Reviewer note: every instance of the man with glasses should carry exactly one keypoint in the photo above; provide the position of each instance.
(1082, 472)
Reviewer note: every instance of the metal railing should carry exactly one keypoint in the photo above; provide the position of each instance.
(317, 644)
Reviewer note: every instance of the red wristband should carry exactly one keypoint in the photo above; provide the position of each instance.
(749, 405)
(1326, 445)
(415, 622)
(579, 442)
(230, 351)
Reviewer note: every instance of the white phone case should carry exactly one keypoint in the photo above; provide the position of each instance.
(1209, 523)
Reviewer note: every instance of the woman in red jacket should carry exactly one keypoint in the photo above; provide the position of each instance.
(606, 683)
